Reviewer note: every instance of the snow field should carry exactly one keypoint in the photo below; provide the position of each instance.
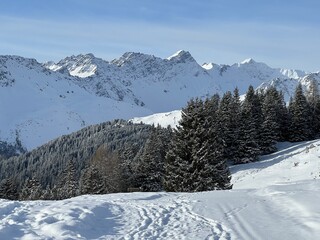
(293, 162)
(288, 211)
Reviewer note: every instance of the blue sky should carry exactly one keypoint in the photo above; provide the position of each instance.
(283, 33)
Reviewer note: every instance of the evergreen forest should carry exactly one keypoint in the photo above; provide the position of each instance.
(120, 156)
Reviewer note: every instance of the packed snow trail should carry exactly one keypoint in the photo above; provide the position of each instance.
(117, 216)
(287, 211)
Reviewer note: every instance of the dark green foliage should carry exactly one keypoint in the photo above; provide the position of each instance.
(179, 156)
(250, 128)
(271, 125)
(31, 190)
(313, 98)
(283, 118)
(195, 160)
(300, 116)
(209, 162)
(68, 184)
(229, 119)
(92, 181)
(9, 189)
(150, 165)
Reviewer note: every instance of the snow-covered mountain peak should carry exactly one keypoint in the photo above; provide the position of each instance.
(248, 61)
(291, 73)
(132, 58)
(181, 56)
(82, 65)
(208, 66)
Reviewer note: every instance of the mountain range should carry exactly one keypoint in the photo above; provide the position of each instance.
(42, 101)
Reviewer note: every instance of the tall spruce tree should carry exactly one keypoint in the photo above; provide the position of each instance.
(215, 173)
(250, 129)
(229, 120)
(313, 98)
(179, 156)
(270, 128)
(195, 160)
(91, 181)
(225, 119)
(284, 118)
(9, 189)
(68, 185)
(150, 168)
(300, 121)
(31, 190)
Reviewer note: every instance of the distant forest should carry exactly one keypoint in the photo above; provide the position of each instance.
(120, 156)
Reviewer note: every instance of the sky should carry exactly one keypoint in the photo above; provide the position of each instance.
(281, 33)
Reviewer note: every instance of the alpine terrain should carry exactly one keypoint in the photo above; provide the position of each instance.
(42, 101)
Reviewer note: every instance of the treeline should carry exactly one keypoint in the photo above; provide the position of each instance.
(120, 156)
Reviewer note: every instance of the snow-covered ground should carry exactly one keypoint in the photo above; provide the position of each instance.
(276, 198)
(162, 119)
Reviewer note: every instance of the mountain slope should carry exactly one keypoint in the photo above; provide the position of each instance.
(38, 105)
(293, 162)
(39, 102)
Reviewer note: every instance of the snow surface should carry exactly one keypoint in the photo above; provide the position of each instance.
(163, 119)
(277, 198)
(42, 105)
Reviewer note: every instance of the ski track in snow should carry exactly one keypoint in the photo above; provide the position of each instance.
(288, 211)
(172, 221)
(157, 216)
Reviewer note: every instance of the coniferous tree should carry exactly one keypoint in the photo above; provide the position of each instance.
(67, 186)
(313, 98)
(150, 168)
(92, 181)
(235, 125)
(300, 127)
(31, 190)
(284, 118)
(179, 156)
(229, 120)
(195, 162)
(8, 189)
(270, 128)
(209, 155)
(225, 120)
(250, 129)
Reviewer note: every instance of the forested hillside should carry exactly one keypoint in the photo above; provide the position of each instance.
(48, 165)
(120, 156)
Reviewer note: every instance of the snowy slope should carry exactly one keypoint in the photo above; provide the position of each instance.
(293, 162)
(158, 84)
(39, 105)
(163, 119)
(273, 199)
(39, 102)
(248, 72)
